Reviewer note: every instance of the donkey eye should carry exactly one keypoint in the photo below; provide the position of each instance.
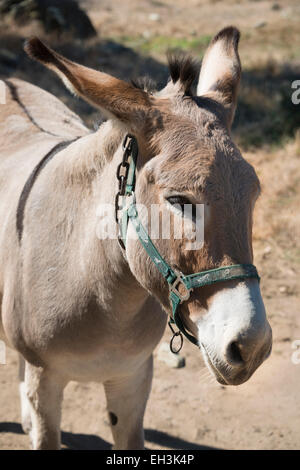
(178, 200)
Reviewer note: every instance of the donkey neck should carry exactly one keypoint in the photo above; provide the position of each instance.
(89, 175)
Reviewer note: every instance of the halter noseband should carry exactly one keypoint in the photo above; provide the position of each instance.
(173, 277)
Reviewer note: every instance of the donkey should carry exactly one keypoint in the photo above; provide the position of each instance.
(81, 308)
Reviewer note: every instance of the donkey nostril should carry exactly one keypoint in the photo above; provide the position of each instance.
(234, 354)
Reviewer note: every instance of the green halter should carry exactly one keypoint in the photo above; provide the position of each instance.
(173, 277)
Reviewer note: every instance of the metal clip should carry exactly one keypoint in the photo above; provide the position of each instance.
(127, 142)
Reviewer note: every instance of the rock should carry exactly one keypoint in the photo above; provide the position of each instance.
(267, 250)
(260, 24)
(54, 15)
(154, 17)
(175, 361)
(283, 289)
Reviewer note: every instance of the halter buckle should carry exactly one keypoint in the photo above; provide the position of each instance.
(173, 287)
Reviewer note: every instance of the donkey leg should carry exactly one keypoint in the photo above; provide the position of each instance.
(25, 404)
(126, 402)
(44, 390)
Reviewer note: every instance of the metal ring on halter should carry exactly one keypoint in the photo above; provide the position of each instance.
(176, 351)
(175, 333)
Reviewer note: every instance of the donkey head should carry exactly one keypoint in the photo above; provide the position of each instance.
(187, 157)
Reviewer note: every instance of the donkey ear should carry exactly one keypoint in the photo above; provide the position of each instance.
(221, 71)
(114, 97)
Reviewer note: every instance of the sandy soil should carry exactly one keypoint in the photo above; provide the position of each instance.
(187, 408)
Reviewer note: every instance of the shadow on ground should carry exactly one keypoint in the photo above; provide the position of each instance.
(72, 441)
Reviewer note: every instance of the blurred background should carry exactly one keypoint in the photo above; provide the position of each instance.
(129, 38)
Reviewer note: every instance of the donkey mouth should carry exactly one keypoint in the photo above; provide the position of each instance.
(236, 379)
(213, 369)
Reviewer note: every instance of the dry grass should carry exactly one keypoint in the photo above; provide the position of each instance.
(277, 217)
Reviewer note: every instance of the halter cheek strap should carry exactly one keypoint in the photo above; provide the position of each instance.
(180, 285)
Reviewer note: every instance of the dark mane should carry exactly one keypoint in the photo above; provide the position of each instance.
(184, 68)
(181, 66)
(145, 83)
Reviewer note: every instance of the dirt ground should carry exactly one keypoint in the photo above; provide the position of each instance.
(187, 409)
